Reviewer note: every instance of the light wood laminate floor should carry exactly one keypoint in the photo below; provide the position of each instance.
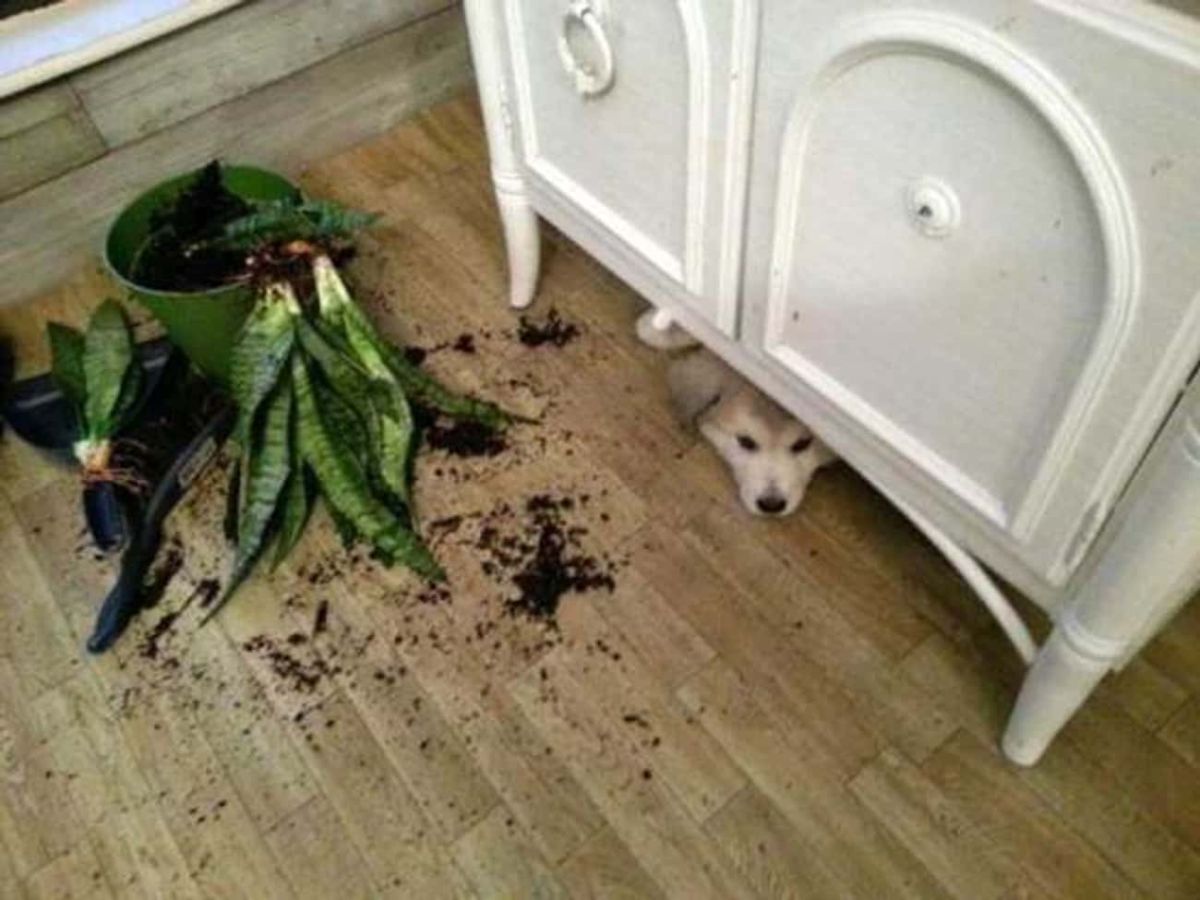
(806, 708)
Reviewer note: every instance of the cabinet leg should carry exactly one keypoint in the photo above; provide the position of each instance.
(1060, 680)
(522, 239)
(1145, 567)
(521, 233)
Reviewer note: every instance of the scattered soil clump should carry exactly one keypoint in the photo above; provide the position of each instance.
(555, 331)
(321, 618)
(545, 561)
(299, 674)
(465, 438)
(464, 343)
(206, 591)
(150, 646)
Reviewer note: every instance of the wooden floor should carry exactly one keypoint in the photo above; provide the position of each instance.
(807, 708)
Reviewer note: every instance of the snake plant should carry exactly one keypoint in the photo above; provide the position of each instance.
(325, 403)
(95, 370)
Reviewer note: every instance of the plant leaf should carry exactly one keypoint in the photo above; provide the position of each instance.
(131, 391)
(394, 445)
(423, 388)
(343, 420)
(380, 404)
(290, 219)
(108, 352)
(297, 504)
(270, 221)
(331, 219)
(233, 503)
(345, 485)
(345, 391)
(345, 328)
(345, 325)
(66, 366)
(270, 462)
(334, 301)
(260, 354)
(340, 369)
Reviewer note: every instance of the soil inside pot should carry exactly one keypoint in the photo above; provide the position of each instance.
(177, 255)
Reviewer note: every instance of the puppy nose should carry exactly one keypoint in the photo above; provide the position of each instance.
(771, 505)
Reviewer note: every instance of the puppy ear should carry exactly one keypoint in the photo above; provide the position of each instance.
(696, 382)
(823, 454)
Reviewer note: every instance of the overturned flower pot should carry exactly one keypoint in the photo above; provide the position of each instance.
(201, 320)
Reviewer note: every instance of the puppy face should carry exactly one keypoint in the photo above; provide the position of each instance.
(771, 455)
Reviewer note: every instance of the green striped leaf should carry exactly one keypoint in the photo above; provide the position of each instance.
(297, 502)
(394, 437)
(417, 384)
(351, 381)
(266, 473)
(343, 420)
(260, 354)
(381, 405)
(365, 343)
(108, 352)
(66, 361)
(295, 509)
(331, 219)
(346, 323)
(423, 388)
(394, 446)
(289, 220)
(345, 484)
(131, 391)
(233, 503)
(354, 330)
(333, 298)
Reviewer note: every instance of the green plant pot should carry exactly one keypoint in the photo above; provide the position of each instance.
(204, 323)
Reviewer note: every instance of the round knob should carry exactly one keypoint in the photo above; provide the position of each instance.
(932, 207)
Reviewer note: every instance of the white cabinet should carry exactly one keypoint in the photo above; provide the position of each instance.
(961, 238)
(976, 236)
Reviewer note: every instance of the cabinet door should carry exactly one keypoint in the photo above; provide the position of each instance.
(978, 231)
(636, 148)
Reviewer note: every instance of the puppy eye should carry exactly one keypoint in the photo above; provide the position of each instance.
(801, 445)
(747, 443)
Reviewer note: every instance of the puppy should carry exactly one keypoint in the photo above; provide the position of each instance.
(771, 455)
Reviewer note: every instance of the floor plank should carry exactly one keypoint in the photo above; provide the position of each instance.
(919, 814)
(762, 845)
(1019, 825)
(604, 869)
(620, 779)
(317, 856)
(76, 875)
(500, 862)
(1182, 732)
(850, 844)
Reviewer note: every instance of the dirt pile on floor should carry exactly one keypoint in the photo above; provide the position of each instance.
(464, 438)
(538, 553)
(555, 331)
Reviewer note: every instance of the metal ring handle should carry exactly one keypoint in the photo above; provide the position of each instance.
(589, 81)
